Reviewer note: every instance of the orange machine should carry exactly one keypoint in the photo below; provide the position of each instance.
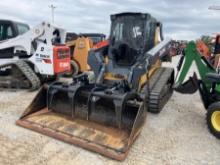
(203, 49)
(101, 44)
(61, 59)
(79, 49)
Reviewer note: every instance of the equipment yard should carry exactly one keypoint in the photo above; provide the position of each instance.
(178, 135)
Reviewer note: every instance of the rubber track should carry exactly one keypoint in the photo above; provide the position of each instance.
(160, 91)
(28, 73)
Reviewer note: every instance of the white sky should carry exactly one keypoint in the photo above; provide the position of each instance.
(182, 19)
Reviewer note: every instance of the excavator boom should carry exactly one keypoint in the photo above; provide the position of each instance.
(191, 55)
(208, 81)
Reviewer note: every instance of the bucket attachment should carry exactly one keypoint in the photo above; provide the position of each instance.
(87, 116)
(188, 87)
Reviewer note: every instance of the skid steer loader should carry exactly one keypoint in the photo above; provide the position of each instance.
(30, 56)
(79, 50)
(106, 116)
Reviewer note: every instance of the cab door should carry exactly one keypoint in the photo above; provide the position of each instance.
(6, 31)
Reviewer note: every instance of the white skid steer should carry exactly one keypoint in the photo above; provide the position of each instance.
(30, 56)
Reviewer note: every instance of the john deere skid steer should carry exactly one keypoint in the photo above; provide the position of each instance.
(106, 116)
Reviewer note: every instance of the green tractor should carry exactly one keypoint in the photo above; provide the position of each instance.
(208, 84)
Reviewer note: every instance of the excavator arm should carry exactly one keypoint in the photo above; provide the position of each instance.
(208, 84)
(191, 55)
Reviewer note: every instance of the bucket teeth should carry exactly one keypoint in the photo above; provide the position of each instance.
(50, 99)
(118, 110)
(92, 100)
(71, 99)
(92, 105)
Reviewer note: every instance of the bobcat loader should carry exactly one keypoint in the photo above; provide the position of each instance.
(30, 56)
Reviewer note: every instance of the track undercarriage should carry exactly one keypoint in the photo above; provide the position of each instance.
(18, 75)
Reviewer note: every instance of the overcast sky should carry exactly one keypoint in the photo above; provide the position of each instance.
(182, 19)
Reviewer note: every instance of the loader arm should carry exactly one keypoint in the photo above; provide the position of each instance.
(71, 43)
(192, 55)
(159, 51)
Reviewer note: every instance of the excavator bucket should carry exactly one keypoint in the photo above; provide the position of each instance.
(188, 87)
(69, 113)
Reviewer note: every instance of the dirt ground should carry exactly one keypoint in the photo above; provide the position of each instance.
(178, 135)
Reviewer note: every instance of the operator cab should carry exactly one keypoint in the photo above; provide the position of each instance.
(132, 35)
(8, 30)
(11, 29)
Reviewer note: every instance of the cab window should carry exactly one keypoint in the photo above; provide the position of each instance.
(6, 32)
(22, 28)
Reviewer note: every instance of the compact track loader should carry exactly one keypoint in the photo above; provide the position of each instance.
(29, 57)
(106, 116)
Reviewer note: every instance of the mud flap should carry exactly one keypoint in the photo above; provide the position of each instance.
(188, 87)
(69, 121)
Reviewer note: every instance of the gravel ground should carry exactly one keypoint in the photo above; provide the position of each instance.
(178, 135)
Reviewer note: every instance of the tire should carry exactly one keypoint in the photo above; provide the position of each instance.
(213, 119)
(74, 69)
